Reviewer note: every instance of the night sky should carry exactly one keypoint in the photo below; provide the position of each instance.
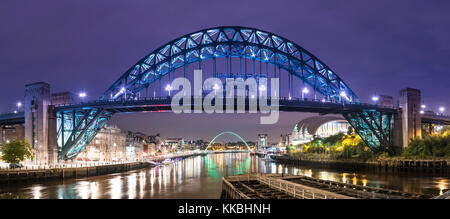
(376, 47)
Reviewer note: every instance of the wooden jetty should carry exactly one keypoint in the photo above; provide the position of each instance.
(281, 186)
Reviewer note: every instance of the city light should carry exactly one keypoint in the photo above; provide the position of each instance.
(375, 98)
(304, 91)
(216, 87)
(422, 112)
(262, 88)
(441, 109)
(343, 94)
(168, 88)
(82, 94)
(19, 104)
(423, 106)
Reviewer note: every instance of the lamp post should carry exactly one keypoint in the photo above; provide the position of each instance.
(304, 92)
(441, 109)
(19, 104)
(342, 94)
(375, 99)
(168, 88)
(261, 88)
(82, 95)
(216, 87)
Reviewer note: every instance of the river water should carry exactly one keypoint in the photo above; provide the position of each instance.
(201, 177)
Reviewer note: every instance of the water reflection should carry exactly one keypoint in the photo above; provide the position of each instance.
(200, 177)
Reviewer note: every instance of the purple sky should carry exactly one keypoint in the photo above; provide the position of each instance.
(374, 46)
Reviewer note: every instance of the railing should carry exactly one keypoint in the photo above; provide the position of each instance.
(299, 191)
(232, 191)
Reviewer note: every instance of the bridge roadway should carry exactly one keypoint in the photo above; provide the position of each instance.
(164, 104)
(12, 118)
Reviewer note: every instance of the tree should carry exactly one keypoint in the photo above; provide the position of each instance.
(288, 149)
(16, 151)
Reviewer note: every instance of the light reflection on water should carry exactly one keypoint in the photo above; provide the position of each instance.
(200, 177)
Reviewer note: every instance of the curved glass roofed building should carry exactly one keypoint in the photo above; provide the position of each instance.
(321, 126)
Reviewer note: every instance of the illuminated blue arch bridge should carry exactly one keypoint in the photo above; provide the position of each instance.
(227, 133)
(306, 84)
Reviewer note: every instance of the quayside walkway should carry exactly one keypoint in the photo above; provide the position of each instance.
(277, 186)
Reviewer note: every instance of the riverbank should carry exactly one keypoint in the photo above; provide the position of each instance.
(14, 176)
(381, 165)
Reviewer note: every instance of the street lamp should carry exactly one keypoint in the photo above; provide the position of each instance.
(82, 95)
(304, 91)
(441, 109)
(423, 106)
(168, 88)
(342, 94)
(262, 87)
(375, 99)
(216, 87)
(19, 104)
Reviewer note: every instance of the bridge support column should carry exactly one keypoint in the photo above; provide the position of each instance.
(37, 100)
(52, 136)
(408, 123)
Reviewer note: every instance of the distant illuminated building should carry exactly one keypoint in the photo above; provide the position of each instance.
(12, 132)
(320, 126)
(285, 140)
(174, 143)
(263, 140)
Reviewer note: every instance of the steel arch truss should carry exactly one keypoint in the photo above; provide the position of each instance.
(234, 41)
(77, 128)
(374, 128)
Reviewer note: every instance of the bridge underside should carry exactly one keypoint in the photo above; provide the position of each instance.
(12, 118)
(78, 124)
(434, 119)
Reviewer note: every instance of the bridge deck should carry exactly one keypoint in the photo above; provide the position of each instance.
(12, 118)
(164, 104)
(435, 119)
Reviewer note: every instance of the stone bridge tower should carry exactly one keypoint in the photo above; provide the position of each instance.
(408, 121)
(37, 100)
